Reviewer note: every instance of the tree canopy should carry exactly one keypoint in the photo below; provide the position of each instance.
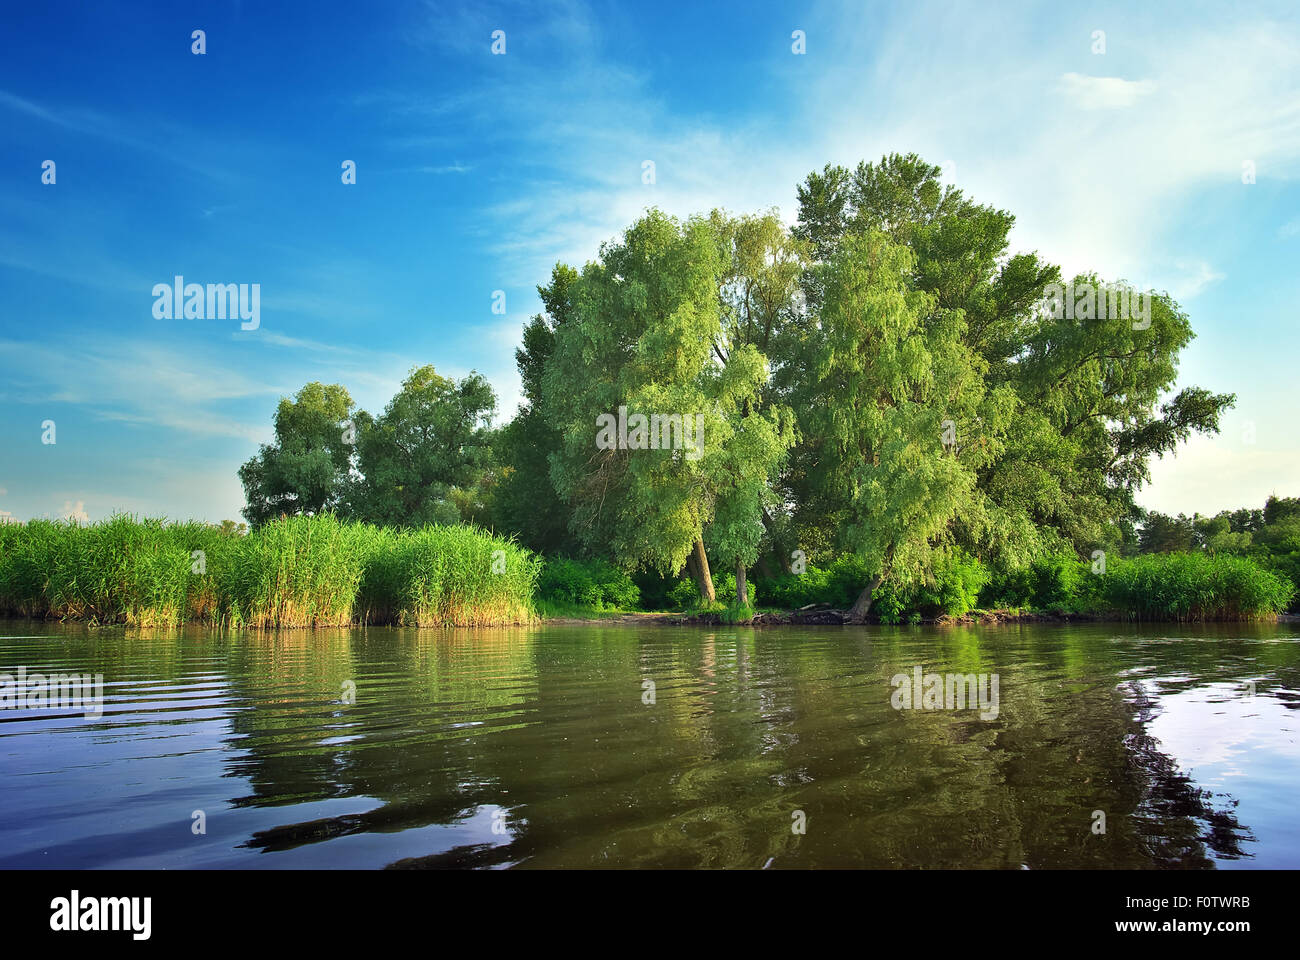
(885, 379)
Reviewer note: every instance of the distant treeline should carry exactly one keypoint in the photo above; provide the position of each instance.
(293, 572)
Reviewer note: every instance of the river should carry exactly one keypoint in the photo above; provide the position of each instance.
(1093, 746)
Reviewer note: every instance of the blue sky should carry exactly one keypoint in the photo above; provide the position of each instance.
(477, 172)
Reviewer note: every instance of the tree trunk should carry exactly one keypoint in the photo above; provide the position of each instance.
(742, 588)
(765, 568)
(703, 579)
(863, 604)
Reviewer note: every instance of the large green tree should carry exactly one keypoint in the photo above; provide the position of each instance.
(656, 424)
(524, 501)
(895, 412)
(1090, 395)
(421, 459)
(306, 468)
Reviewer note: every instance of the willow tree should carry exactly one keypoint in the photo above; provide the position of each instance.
(1090, 391)
(649, 415)
(760, 300)
(895, 410)
(524, 501)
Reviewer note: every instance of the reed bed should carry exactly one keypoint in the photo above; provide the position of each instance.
(293, 572)
(449, 576)
(1194, 586)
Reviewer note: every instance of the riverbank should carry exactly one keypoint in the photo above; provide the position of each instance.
(786, 618)
(318, 571)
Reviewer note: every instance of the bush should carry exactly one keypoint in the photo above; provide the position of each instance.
(792, 591)
(593, 583)
(1054, 581)
(724, 589)
(684, 595)
(952, 588)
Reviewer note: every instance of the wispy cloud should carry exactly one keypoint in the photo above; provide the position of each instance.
(134, 382)
(121, 130)
(1103, 93)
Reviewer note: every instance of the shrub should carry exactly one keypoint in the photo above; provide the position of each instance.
(1054, 581)
(792, 591)
(684, 595)
(724, 589)
(592, 583)
(951, 587)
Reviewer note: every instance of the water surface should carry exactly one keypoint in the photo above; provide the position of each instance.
(548, 747)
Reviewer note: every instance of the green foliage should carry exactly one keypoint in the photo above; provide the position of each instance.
(1270, 537)
(525, 503)
(297, 572)
(305, 471)
(592, 583)
(792, 591)
(454, 575)
(726, 589)
(1066, 414)
(1194, 586)
(430, 446)
(887, 384)
(683, 595)
(648, 315)
(1052, 581)
(903, 381)
(951, 587)
(123, 570)
(292, 572)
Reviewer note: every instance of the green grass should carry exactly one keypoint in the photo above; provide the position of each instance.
(293, 572)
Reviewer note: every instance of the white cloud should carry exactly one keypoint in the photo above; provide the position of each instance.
(1191, 279)
(135, 382)
(75, 511)
(1103, 93)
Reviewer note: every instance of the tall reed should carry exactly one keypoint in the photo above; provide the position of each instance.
(450, 576)
(1194, 586)
(293, 572)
